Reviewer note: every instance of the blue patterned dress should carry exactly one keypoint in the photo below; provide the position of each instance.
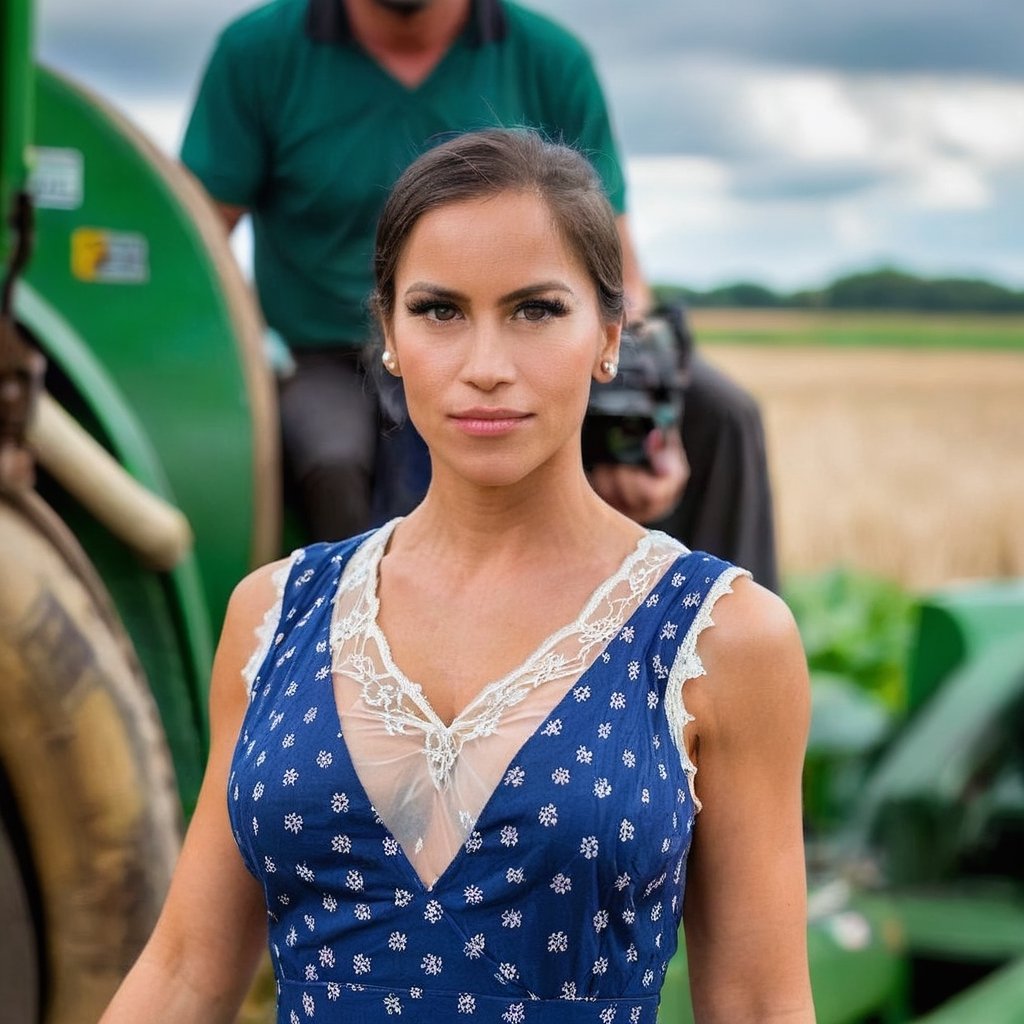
(562, 900)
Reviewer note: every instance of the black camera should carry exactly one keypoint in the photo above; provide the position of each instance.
(646, 394)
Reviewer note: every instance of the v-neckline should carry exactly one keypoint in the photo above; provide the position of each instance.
(420, 88)
(415, 690)
(362, 795)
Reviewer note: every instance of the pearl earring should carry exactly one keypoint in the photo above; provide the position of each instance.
(388, 359)
(609, 367)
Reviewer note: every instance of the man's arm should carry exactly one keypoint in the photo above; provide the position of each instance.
(230, 214)
(644, 495)
(225, 144)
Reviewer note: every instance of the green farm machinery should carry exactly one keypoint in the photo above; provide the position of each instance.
(138, 478)
(139, 481)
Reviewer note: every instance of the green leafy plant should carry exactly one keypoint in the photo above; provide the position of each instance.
(856, 626)
(856, 630)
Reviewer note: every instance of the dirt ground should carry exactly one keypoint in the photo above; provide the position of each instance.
(905, 463)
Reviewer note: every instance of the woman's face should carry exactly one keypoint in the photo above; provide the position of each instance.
(496, 332)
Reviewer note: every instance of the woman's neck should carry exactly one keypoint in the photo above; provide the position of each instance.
(532, 520)
(408, 46)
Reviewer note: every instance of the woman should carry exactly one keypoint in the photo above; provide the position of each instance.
(424, 842)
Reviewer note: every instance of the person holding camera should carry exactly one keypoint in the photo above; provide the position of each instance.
(307, 112)
(665, 387)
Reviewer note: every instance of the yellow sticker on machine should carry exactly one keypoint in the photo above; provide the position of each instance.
(113, 257)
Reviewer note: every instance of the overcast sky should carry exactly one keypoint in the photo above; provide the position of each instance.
(783, 141)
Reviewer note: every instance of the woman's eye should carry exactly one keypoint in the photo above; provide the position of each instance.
(441, 312)
(537, 311)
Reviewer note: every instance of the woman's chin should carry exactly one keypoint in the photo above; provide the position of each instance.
(493, 471)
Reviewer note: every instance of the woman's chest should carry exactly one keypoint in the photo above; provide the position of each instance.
(597, 782)
(454, 642)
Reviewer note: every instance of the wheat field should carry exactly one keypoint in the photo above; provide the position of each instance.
(904, 463)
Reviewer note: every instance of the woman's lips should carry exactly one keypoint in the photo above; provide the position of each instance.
(486, 422)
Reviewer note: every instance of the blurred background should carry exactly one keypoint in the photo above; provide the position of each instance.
(836, 194)
(785, 143)
(778, 154)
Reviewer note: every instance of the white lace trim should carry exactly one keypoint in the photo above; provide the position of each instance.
(361, 651)
(687, 665)
(266, 630)
(401, 702)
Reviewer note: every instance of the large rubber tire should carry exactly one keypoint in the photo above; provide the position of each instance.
(87, 765)
(19, 965)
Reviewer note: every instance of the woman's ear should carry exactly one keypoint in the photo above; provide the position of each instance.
(608, 358)
(389, 357)
(390, 361)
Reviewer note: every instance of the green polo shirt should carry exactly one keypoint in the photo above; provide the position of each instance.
(310, 136)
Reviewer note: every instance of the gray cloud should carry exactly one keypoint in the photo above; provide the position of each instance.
(758, 181)
(158, 47)
(119, 59)
(682, 76)
(941, 36)
(663, 105)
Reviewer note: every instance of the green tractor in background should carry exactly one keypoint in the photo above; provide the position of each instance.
(139, 481)
(940, 819)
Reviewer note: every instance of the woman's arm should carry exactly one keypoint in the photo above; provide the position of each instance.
(199, 962)
(745, 909)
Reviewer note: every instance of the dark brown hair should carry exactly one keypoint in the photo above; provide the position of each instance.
(483, 164)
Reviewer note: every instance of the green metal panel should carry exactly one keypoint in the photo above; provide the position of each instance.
(125, 264)
(958, 623)
(960, 922)
(165, 614)
(16, 102)
(856, 962)
(857, 965)
(999, 999)
(925, 803)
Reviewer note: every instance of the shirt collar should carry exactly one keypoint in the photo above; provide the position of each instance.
(327, 22)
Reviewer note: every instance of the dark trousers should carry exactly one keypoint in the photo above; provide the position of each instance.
(727, 505)
(351, 458)
(329, 414)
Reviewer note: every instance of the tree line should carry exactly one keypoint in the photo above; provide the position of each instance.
(886, 288)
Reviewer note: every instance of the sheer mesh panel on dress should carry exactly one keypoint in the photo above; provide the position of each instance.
(429, 781)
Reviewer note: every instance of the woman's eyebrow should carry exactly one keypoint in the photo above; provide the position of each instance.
(527, 291)
(536, 289)
(438, 291)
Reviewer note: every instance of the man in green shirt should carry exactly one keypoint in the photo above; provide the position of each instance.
(307, 113)
(302, 121)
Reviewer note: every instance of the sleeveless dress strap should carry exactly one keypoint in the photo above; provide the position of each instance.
(267, 629)
(702, 580)
(293, 599)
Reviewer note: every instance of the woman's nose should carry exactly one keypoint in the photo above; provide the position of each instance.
(488, 360)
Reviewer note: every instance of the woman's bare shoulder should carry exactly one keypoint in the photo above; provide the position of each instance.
(753, 658)
(751, 619)
(257, 592)
(245, 621)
